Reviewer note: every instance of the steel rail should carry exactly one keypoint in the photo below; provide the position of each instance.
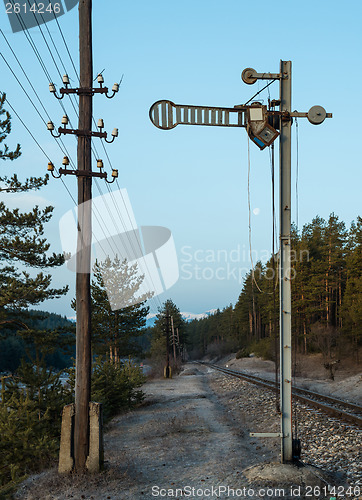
(328, 405)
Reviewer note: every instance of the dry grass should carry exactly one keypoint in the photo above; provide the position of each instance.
(173, 424)
(71, 485)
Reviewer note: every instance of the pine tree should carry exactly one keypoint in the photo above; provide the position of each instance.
(336, 235)
(32, 399)
(115, 330)
(116, 385)
(305, 253)
(25, 446)
(158, 343)
(5, 129)
(29, 422)
(352, 300)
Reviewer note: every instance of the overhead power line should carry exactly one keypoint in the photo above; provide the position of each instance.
(63, 149)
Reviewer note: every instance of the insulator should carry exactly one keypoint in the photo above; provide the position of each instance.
(100, 78)
(50, 125)
(100, 163)
(115, 87)
(50, 167)
(115, 173)
(65, 120)
(52, 88)
(65, 160)
(100, 123)
(66, 80)
(115, 132)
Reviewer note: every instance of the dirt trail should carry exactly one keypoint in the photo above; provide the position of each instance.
(181, 437)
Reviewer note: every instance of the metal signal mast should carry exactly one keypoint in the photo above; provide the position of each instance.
(263, 127)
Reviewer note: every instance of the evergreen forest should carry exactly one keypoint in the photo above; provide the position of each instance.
(326, 300)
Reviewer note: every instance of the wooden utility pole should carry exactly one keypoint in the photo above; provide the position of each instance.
(83, 297)
(173, 341)
(84, 174)
(180, 348)
(167, 369)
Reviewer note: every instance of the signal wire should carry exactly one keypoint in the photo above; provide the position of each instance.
(50, 52)
(297, 174)
(47, 74)
(130, 220)
(64, 150)
(43, 151)
(66, 45)
(37, 54)
(32, 45)
(43, 36)
(259, 92)
(249, 206)
(147, 275)
(250, 229)
(275, 281)
(37, 111)
(295, 417)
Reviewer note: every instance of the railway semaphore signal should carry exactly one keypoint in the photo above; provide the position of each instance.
(263, 126)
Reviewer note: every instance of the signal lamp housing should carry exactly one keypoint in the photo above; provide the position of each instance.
(264, 138)
(259, 129)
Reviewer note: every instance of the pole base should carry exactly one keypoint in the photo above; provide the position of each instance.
(95, 459)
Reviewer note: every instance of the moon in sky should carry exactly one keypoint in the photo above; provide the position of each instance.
(256, 211)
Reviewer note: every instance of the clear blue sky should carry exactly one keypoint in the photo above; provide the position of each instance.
(193, 180)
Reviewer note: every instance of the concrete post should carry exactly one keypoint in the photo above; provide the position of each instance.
(66, 453)
(95, 458)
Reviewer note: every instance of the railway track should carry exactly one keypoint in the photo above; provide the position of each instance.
(336, 408)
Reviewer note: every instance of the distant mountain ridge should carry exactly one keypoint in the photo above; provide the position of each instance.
(188, 316)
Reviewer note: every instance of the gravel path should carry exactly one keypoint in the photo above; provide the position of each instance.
(326, 442)
(190, 440)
